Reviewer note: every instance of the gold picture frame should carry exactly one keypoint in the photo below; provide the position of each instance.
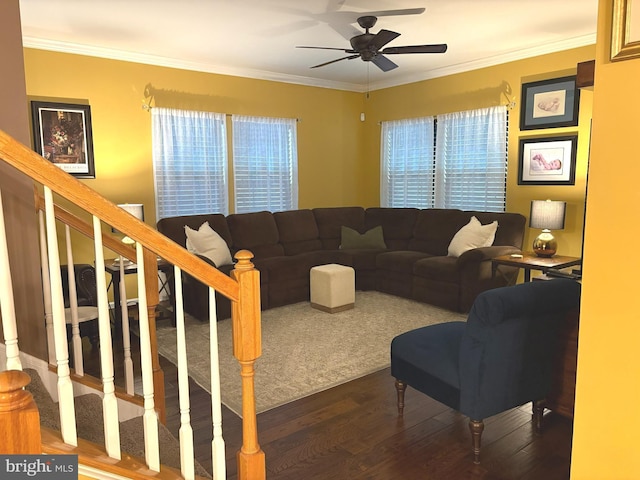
(625, 31)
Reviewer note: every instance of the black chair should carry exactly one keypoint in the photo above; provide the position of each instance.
(502, 357)
(86, 293)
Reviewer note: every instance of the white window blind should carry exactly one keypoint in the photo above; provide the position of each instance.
(463, 166)
(407, 170)
(189, 162)
(471, 160)
(265, 164)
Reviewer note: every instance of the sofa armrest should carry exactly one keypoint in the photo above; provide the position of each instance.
(482, 254)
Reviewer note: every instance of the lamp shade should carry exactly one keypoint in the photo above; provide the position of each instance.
(547, 214)
(135, 209)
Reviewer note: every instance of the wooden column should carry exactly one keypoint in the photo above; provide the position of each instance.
(247, 347)
(19, 416)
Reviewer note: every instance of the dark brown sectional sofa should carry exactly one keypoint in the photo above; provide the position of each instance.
(414, 263)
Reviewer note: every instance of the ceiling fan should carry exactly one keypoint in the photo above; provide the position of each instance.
(367, 46)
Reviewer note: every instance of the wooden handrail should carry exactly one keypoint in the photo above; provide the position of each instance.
(86, 229)
(30, 163)
(242, 288)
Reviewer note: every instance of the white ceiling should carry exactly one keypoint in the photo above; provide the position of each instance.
(257, 38)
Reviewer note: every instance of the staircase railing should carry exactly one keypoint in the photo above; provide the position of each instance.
(242, 289)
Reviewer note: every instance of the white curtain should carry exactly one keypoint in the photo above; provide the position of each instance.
(190, 162)
(471, 159)
(265, 164)
(407, 163)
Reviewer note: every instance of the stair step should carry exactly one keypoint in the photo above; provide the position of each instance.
(90, 426)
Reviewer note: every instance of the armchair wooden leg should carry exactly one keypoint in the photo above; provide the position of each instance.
(400, 389)
(538, 412)
(476, 427)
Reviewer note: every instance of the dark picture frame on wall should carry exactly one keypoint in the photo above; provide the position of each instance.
(547, 160)
(62, 134)
(550, 103)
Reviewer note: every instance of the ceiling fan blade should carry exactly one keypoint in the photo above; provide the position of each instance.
(350, 57)
(436, 48)
(383, 63)
(404, 11)
(329, 48)
(382, 38)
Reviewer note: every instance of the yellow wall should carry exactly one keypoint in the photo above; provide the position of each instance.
(328, 132)
(497, 85)
(608, 385)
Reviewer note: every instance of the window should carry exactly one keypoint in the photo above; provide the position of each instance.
(407, 174)
(265, 164)
(468, 170)
(190, 162)
(471, 159)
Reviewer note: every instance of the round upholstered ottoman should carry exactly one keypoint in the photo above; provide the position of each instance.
(333, 287)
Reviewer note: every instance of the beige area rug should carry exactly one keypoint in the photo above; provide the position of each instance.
(304, 350)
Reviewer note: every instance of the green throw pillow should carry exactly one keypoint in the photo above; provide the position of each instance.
(371, 239)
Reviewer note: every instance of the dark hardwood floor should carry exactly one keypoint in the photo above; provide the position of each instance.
(353, 431)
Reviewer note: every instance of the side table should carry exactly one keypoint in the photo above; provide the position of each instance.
(112, 266)
(530, 261)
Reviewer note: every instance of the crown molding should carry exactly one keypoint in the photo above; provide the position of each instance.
(113, 54)
(515, 55)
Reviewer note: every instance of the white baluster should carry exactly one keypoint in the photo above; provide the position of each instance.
(6, 301)
(150, 419)
(109, 400)
(126, 331)
(65, 386)
(73, 305)
(46, 290)
(217, 445)
(186, 432)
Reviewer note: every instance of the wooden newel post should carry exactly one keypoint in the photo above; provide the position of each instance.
(247, 347)
(153, 298)
(19, 416)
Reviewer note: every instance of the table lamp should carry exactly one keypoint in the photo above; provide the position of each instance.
(547, 215)
(135, 209)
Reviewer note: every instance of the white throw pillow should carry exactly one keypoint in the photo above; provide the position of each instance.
(472, 235)
(207, 242)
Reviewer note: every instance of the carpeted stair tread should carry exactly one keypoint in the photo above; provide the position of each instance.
(90, 426)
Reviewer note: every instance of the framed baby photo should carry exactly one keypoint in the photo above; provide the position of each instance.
(550, 104)
(62, 134)
(547, 160)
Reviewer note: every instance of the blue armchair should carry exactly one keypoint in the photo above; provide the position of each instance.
(502, 357)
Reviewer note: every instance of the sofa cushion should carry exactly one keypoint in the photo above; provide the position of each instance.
(256, 232)
(435, 228)
(440, 268)
(173, 227)
(331, 220)
(399, 261)
(370, 240)
(397, 224)
(472, 235)
(298, 231)
(206, 242)
(511, 227)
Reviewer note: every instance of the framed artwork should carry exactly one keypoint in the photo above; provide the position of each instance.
(549, 103)
(625, 30)
(62, 135)
(547, 160)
